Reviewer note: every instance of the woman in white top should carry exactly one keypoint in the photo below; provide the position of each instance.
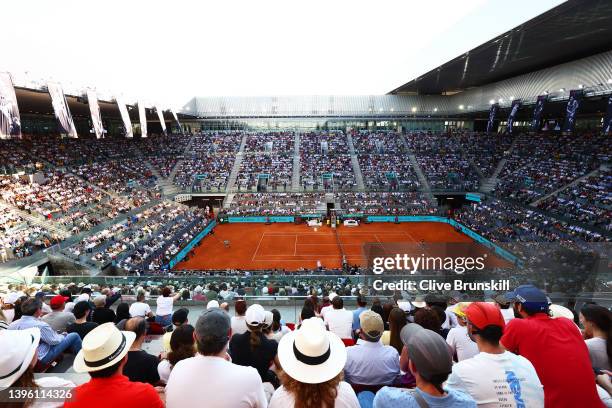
(165, 302)
(182, 347)
(313, 362)
(597, 323)
(278, 330)
(238, 322)
(17, 361)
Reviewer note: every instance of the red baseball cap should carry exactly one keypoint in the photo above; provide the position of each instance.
(58, 300)
(483, 314)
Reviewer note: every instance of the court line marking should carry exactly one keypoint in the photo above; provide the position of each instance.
(257, 249)
(295, 246)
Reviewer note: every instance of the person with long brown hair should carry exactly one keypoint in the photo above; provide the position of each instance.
(313, 361)
(597, 323)
(253, 348)
(397, 321)
(182, 347)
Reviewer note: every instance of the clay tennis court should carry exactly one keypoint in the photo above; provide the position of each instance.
(290, 247)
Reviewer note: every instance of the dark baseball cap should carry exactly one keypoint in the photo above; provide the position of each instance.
(214, 325)
(180, 316)
(532, 298)
(429, 353)
(408, 331)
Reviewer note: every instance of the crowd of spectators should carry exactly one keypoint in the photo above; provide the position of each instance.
(398, 351)
(277, 204)
(392, 203)
(442, 161)
(265, 172)
(20, 238)
(589, 201)
(540, 164)
(278, 142)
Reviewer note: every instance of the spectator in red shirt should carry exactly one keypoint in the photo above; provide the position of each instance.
(103, 356)
(555, 348)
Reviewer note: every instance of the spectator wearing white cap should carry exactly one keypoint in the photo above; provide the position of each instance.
(104, 354)
(253, 348)
(226, 385)
(370, 362)
(17, 362)
(212, 304)
(431, 363)
(313, 360)
(339, 320)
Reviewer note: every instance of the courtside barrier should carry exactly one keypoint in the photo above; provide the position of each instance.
(272, 218)
(179, 257)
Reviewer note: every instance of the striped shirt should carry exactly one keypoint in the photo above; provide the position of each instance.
(48, 337)
(3, 325)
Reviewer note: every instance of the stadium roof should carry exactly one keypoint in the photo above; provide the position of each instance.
(572, 30)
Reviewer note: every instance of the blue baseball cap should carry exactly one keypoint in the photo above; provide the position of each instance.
(532, 298)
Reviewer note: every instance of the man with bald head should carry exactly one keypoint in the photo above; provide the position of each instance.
(141, 366)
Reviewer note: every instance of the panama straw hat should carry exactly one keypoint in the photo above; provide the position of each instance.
(18, 348)
(311, 354)
(560, 311)
(103, 347)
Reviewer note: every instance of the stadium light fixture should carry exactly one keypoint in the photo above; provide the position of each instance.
(580, 86)
(545, 92)
(501, 100)
(562, 90)
(512, 98)
(380, 109)
(492, 101)
(435, 109)
(610, 81)
(414, 109)
(461, 107)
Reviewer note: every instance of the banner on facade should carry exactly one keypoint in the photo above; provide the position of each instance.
(162, 121)
(571, 110)
(142, 113)
(96, 117)
(10, 122)
(125, 117)
(514, 108)
(177, 120)
(492, 114)
(537, 113)
(60, 107)
(607, 125)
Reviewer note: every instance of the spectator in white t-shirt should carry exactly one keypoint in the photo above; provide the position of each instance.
(165, 302)
(495, 377)
(462, 346)
(140, 308)
(210, 379)
(597, 323)
(312, 360)
(339, 320)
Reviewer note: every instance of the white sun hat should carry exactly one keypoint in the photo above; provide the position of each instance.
(212, 304)
(560, 311)
(18, 348)
(255, 315)
(311, 354)
(103, 347)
